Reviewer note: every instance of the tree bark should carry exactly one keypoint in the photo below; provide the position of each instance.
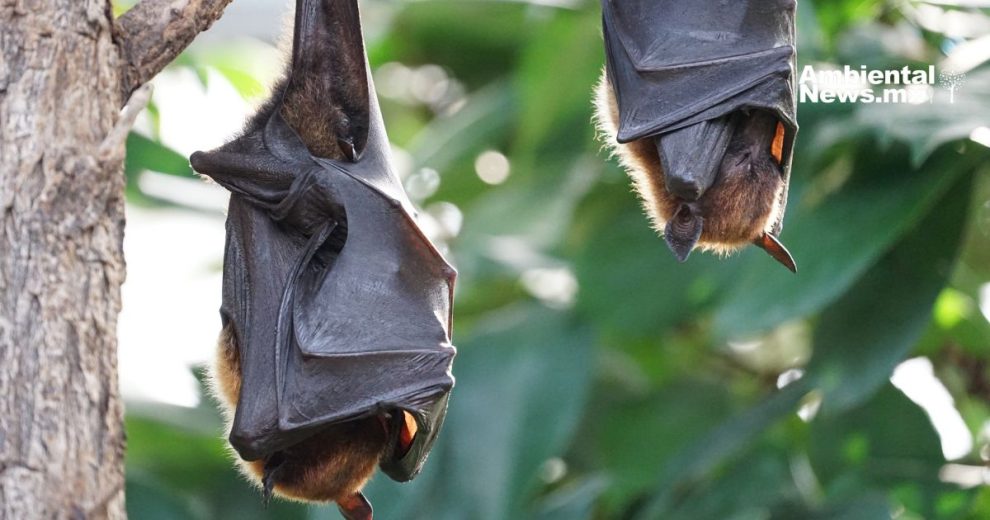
(64, 71)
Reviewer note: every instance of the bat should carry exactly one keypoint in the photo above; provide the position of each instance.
(335, 355)
(697, 101)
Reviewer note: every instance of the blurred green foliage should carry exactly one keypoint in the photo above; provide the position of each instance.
(651, 392)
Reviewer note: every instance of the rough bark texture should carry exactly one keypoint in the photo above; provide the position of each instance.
(61, 262)
(156, 31)
(64, 68)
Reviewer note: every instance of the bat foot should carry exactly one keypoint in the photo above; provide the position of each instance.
(682, 232)
(355, 507)
(272, 466)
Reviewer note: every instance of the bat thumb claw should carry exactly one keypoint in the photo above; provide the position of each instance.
(776, 249)
(347, 148)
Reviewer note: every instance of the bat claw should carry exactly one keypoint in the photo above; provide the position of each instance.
(272, 466)
(347, 148)
(775, 248)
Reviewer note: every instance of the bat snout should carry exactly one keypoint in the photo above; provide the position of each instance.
(198, 162)
(248, 448)
(685, 187)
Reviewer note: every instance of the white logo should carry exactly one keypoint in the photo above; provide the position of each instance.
(876, 86)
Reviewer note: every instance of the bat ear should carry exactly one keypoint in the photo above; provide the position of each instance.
(776, 249)
(683, 231)
(329, 77)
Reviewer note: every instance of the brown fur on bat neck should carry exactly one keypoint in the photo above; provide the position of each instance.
(740, 208)
(318, 123)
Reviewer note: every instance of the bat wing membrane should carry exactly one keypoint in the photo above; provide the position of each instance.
(326, 263)
(675, 63)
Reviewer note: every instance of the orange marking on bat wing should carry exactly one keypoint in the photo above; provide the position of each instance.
(777, 147)
(408, 433)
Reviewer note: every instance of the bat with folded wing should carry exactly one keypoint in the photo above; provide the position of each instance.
(335, 355)
(697, 100)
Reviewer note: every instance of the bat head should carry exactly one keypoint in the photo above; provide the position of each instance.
(716, 185)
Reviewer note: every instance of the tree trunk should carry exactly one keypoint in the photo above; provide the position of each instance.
(61, 262)
(64, 70)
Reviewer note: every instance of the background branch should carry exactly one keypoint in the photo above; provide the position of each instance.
(154, 32)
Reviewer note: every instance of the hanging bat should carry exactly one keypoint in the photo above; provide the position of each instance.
(697, 101)
(335, 354)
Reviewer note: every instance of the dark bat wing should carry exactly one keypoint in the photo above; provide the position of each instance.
(379, 319)
(341, 306)
(676, 63)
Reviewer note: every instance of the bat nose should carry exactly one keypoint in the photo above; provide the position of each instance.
(247, 447)
(686, 187)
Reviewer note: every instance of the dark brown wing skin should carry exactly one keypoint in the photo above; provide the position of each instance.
(336, 306)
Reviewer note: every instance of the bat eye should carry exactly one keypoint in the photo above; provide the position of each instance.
(743, 158)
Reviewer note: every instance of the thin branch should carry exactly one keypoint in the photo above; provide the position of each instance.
(112, 147)
(152, 33)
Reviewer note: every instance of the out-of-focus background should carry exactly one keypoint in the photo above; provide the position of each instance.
(596, 377)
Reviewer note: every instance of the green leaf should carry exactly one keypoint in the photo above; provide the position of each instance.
(195, 470)
(760, 481)
(630, 283)
(554, 101)
(874, 506)
(522, 381)
(836, 241)
(574, 502)
(882, 442)
(618, 423)
(148, 498)
(927, 126)
(448, 138)
(864, 334)
(700, 458)
(147, 154)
